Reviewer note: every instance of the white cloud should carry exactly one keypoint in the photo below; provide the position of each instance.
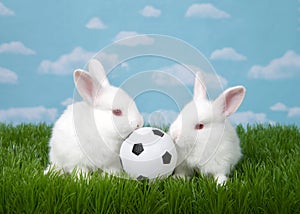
(173, 75)
(31, 114)
(4, 11)
(294, 112)
(108, 60)
(150, 11)
(67, 102)
(125, 65)
(180, 73)
(132, 39)
(291, 111)
(286, 66)
(279, 107)
(16, 47)
(249, 117)
(160, 117)
(77, 58)
(215, 81)
(206, 11)
(227, 54)
(95, 23)
(8, 76)
(125, 34)
(66, 63)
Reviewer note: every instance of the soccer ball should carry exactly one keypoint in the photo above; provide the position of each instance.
(148, 153)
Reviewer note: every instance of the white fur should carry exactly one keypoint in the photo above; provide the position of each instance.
(88, 135)
(215, 149)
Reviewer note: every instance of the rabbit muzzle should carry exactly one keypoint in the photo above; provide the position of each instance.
(136, 124)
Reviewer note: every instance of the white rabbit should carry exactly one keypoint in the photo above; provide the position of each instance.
(205, 139)
(89, 133)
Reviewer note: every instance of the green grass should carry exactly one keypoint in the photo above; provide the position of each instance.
(266, 180)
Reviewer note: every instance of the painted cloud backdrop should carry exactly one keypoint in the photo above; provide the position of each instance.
(253, 43)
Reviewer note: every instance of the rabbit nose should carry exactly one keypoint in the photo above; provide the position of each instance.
(135, 124)
(137, 127)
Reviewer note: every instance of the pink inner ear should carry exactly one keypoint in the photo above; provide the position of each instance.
(233, 100)
(85, 86)
(89, 86)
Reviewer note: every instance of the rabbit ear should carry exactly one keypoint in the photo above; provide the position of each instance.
(199, 87)
(86, 86)
(97, 71)
(230, 100)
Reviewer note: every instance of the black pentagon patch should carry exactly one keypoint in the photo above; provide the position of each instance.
(157, 132)
(137, 149)
(167, 158)
(141, 177)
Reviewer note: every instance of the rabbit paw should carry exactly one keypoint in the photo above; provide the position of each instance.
(180, 176)
(221, 179)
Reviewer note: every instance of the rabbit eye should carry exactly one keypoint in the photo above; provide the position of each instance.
(199, 126)
(117, 112)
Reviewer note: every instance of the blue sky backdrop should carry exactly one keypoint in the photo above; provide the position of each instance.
(253, 43)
